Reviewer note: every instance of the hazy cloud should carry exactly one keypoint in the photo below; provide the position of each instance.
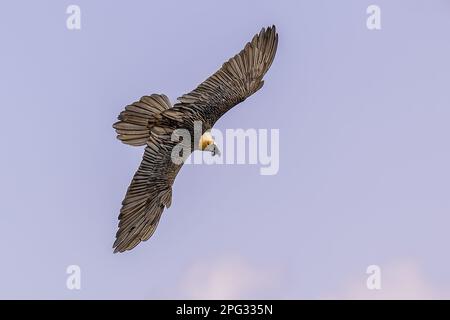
(229, 277)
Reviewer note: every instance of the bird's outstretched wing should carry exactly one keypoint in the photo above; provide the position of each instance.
(149, 192)
(236, 80)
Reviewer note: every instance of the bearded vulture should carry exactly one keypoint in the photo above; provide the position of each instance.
(152, 120)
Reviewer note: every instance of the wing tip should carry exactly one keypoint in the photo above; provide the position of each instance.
(270, 29)
(124, 246)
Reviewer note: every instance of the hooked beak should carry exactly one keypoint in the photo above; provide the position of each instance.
(215, 150)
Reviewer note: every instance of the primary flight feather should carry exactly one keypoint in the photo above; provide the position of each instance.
(152, 120)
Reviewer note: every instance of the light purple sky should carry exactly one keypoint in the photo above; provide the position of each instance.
(364, 151)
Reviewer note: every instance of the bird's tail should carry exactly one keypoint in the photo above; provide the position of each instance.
(135, 122)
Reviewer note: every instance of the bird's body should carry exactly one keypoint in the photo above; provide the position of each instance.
(152, 120)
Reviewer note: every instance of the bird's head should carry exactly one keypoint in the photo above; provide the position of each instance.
(207, 143)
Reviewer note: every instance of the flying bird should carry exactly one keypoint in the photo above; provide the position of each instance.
(152, 120)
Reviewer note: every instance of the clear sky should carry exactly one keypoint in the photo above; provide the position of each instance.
(364, 174)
